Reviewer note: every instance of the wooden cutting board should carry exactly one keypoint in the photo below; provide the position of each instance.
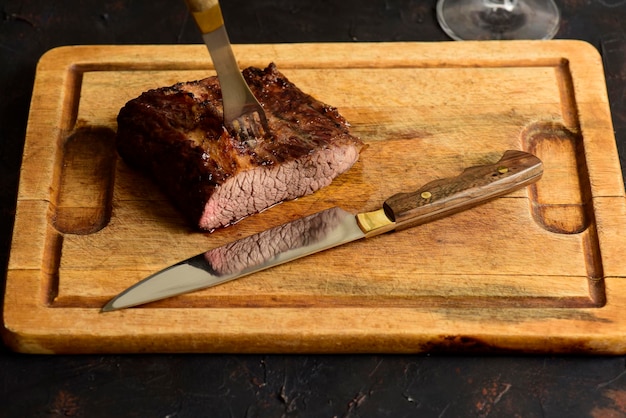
(540, 270)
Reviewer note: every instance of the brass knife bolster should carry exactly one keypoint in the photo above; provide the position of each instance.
(374, 223)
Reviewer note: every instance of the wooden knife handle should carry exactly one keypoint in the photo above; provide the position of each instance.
(473, 186)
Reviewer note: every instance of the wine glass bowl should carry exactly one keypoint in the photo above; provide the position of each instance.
(498, 19)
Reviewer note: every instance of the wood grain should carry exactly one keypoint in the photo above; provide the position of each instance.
(540, 270)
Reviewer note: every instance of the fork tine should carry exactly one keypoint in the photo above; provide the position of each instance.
(250, 125)
(259, 125)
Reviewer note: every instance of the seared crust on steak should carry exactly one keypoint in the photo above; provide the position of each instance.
(176, 135)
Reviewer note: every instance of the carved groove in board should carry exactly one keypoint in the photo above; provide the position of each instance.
(595, 270)
(561, 201)
(569, 108)
(83, 200)
(561, 67)
(316, 63)
(50, 267)
(73, 87)
(195, 301)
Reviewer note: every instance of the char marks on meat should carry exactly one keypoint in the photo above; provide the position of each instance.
(176, 135)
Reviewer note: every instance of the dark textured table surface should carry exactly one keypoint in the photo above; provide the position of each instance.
(283, 385)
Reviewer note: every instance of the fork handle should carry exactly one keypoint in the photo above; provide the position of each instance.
(206, 13)
(208, 17)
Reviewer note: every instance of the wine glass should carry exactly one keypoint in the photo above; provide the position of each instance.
(498, 19)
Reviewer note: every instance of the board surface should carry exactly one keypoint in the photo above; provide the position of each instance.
(540, 270)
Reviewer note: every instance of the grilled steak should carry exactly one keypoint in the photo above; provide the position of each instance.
(176, 135)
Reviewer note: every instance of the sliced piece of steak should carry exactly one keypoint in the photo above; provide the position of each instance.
(176, 135)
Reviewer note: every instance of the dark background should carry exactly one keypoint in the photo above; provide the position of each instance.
(279, 385)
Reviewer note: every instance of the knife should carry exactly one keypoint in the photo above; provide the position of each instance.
(334, 227)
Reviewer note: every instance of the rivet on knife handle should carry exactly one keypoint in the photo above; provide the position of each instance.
(444, 197)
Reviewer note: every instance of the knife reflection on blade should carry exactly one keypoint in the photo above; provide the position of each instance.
(334, 227)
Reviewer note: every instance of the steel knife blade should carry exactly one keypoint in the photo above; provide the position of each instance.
(334, 227)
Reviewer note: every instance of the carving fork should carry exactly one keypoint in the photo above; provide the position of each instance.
(243, 114)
